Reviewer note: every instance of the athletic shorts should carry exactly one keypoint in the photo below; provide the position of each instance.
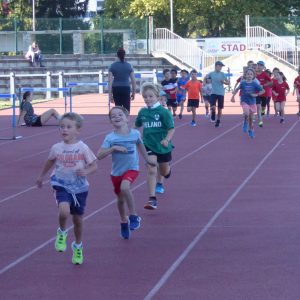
(172, 103)
(121, 96)
(180, 98)
(214, 98)
(130, 175)
(248, 108)
(206, 98)
(77, 201)
(161, 158)
(262, 101)
(193, 103)
(37, 122)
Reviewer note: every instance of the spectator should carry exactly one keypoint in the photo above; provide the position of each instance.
(34, 56)
(118, 77)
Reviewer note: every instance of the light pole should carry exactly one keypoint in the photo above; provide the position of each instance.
(33, 15)
(171, 15)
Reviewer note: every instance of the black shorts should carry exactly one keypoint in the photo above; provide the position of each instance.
(193, 103)
(172, 103)
(214, 98)
(37, 122)
(262, 101)
(161, 158)
(121, 96)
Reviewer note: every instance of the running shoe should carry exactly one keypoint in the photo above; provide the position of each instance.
(135, 222)
(159, 189)
(61, 241)
(217, 123)
(193, 123)
(151, 204)
(260, 124)
(77, 258)
(125, 230)
(180, 116)
(207, 114)
(245, 126)
(251, 134)
(281, 121)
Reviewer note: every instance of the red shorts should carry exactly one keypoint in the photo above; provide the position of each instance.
(130, 175)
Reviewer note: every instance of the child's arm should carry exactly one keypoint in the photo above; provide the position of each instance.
(48, 165)
(21, 118)
(234, 93)
(165, 142)
(143, 151)
(90, 168)
(103, 152)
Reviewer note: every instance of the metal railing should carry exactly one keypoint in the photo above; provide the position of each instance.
(258, 38)
(185, 52)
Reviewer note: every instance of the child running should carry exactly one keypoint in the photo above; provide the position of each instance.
(280, 90)
(193, 88)
(181, 92)
(122, 144)
(73, 161)
(169, 86)
(30, 118)
(158, 130)
(297, 90)
(250, 90)
(206, 93)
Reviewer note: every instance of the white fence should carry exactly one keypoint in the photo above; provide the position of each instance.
(187, 53)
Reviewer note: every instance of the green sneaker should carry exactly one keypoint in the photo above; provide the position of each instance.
(61, 241)
(77, 258)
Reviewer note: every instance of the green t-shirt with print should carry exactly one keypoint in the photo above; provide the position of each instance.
(156, 123)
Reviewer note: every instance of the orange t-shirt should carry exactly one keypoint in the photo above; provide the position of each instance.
(193, 88)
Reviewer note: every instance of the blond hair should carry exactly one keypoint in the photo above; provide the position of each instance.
(151, 86)
(123, 109)
(73, 117)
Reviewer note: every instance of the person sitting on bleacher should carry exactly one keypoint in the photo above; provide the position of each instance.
(34, 55)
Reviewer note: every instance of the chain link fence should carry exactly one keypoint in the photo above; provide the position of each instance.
(71, 36)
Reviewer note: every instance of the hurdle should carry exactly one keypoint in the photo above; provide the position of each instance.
(71, 85)
(14, 121)
(30, 89)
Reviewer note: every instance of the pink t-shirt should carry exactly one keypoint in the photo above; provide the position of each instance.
(68, 159)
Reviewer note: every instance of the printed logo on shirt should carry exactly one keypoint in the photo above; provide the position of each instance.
(156, 117)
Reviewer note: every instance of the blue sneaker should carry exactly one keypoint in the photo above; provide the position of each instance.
(159, 189)
(245, 126)
(251, 134)
(193, 123)
(125, 232)
(151, 204)
(135, 222)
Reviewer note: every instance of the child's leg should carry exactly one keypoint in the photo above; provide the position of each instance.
(282, 105)
(181, 107)
(259, 112)
(277, 107)
(151, 178)
(48, 114)
(63, 214)
(78, 228)
(164, 168)
(206, 107)
(219, 113)
(251, 121)
(194, 113)
(126, 197)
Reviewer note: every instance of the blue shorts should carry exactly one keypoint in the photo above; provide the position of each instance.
(77, 201)
(180, 98)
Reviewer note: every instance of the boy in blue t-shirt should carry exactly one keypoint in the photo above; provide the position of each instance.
(181, 91)
(122, 144)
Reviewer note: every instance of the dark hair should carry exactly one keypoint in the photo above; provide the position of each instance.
(268, 72)
(25, 95)
(283, 77)
(121, 54)
(194, 71)
(166, 71)
(174, 71)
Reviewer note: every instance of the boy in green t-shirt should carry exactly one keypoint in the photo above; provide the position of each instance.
(158, 130)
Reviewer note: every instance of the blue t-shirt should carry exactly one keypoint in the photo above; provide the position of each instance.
(122, 162)
(247, 89)
(216, 81)
(181, 92)
(121, 72)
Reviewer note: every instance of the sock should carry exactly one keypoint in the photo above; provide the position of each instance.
(152, 198)
(78, 246)
(168, 175)
(60, 231)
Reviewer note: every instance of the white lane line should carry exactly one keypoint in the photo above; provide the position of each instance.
(199, 236)
(33, 251)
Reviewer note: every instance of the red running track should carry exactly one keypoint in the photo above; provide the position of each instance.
(226, 228)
